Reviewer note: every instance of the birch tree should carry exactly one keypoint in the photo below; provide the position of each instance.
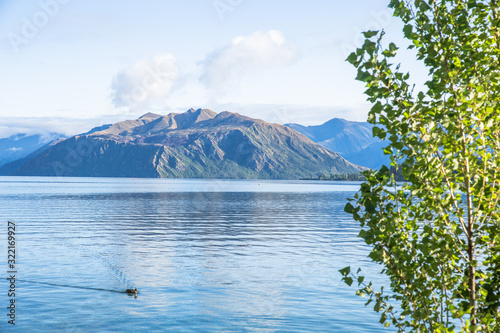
(436, 234)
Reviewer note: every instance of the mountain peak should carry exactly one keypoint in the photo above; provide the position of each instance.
(191, 117)
(150, 116)
(352, 139)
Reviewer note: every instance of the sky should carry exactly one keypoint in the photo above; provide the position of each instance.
(69, 65)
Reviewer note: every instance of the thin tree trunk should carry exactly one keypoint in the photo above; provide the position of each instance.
(470, 225)
(472, 281)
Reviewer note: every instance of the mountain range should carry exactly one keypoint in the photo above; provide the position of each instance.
(351, 139)
(20, 145)
(194, 144)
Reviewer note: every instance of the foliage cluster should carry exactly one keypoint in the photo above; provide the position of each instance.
(437, 234)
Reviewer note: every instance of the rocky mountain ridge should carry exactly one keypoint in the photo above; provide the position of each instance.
(195, 144)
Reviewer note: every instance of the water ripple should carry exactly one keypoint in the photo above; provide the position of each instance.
(225, 256)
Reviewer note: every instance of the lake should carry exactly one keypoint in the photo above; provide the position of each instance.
(206, 256)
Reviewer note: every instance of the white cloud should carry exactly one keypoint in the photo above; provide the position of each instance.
(294, 113)
(145, 81)
(14, 149)
(245, 54)
(49, 125)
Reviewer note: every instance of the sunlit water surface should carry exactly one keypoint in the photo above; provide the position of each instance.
(206, 256)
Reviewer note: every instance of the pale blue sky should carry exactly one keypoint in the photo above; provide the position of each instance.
(76, 63)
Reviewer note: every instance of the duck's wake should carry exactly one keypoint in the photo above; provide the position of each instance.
(78, 287)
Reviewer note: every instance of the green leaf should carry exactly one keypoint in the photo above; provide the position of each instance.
(363, 76)
(345, 271)
(349, 208)
(352, 58)
(348, 280)
(360, 293)
(376, 108)
(370, 33)
(376, 255)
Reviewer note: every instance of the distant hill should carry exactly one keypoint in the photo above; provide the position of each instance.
(21, 145)
(10, 167)
(195, 144)
(371, 157)
(351, 139)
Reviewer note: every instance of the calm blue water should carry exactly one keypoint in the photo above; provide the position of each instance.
(206, 256)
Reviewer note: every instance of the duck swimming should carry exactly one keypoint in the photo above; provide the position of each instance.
(131, 291)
